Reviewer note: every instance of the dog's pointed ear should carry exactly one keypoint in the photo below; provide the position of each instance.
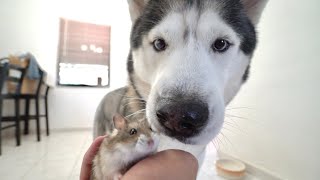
(136, 7)
(254, 9)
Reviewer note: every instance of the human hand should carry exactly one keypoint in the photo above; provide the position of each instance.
(86, 167)
(165, 165)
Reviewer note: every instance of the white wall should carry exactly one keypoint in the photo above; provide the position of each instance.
(280, 131)
(33, 26)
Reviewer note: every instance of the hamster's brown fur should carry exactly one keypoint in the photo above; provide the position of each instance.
(129, 143)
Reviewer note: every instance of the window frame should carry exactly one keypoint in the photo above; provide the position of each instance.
(59, 51)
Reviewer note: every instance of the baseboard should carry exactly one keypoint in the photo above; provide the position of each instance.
(11, 132)
(253, 170)
(71, 129)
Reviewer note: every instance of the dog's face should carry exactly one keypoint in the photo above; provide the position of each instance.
(189, 59)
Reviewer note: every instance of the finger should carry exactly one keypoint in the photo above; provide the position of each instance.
(170, 164)
(88, 158)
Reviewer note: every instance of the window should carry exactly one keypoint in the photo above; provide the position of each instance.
(84, 54)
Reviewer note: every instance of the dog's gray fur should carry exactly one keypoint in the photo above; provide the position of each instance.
(109, 106)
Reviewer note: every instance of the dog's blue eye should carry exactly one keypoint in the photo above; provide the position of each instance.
(220, 45)
(159, 45)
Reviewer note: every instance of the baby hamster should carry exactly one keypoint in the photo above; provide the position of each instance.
(129, 143)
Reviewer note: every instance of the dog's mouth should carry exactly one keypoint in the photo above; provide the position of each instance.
(182, 136)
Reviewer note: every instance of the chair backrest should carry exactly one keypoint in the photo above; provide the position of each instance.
(40, 81)
(4, 69)
(13, 75)
(29, 86)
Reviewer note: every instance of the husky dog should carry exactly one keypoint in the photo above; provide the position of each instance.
(188, 60)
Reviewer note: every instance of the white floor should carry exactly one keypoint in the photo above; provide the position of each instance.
(59, 156)
(55, 157)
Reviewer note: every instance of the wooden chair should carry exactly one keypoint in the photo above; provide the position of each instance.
(41, 93)
(33, 90)
(8, 77)
(3, 73)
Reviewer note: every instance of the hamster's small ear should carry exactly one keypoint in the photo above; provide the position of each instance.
(136, 7)
(119, 122)
(254, 9)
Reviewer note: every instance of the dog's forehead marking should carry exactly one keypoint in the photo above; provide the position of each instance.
(192, 26)
(191, 19)
(176, 24)
(230, 11)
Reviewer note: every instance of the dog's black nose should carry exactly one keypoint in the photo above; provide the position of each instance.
(183, 119)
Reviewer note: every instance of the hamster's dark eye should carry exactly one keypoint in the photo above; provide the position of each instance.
(220, 45)
(159, 45)
(133, 131)
(151, 129)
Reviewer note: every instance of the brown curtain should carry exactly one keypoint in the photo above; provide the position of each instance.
(84, 43)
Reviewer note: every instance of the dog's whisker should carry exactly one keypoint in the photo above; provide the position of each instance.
(141, 102)
(230, 128)
(234, 116)
(222, 140)
(229, 120)
(230, 116)
(236, 108)
(220, 143)
(120, 95)
(141, 120)
(227, 139)
(127, 97)
(132, 98)
(233, 128)
(215, 143)
(227, 129)
(129, 103)
(135, 113)
(232, 124)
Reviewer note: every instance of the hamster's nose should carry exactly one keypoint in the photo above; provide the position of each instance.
(150, 143)
(183, 119)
